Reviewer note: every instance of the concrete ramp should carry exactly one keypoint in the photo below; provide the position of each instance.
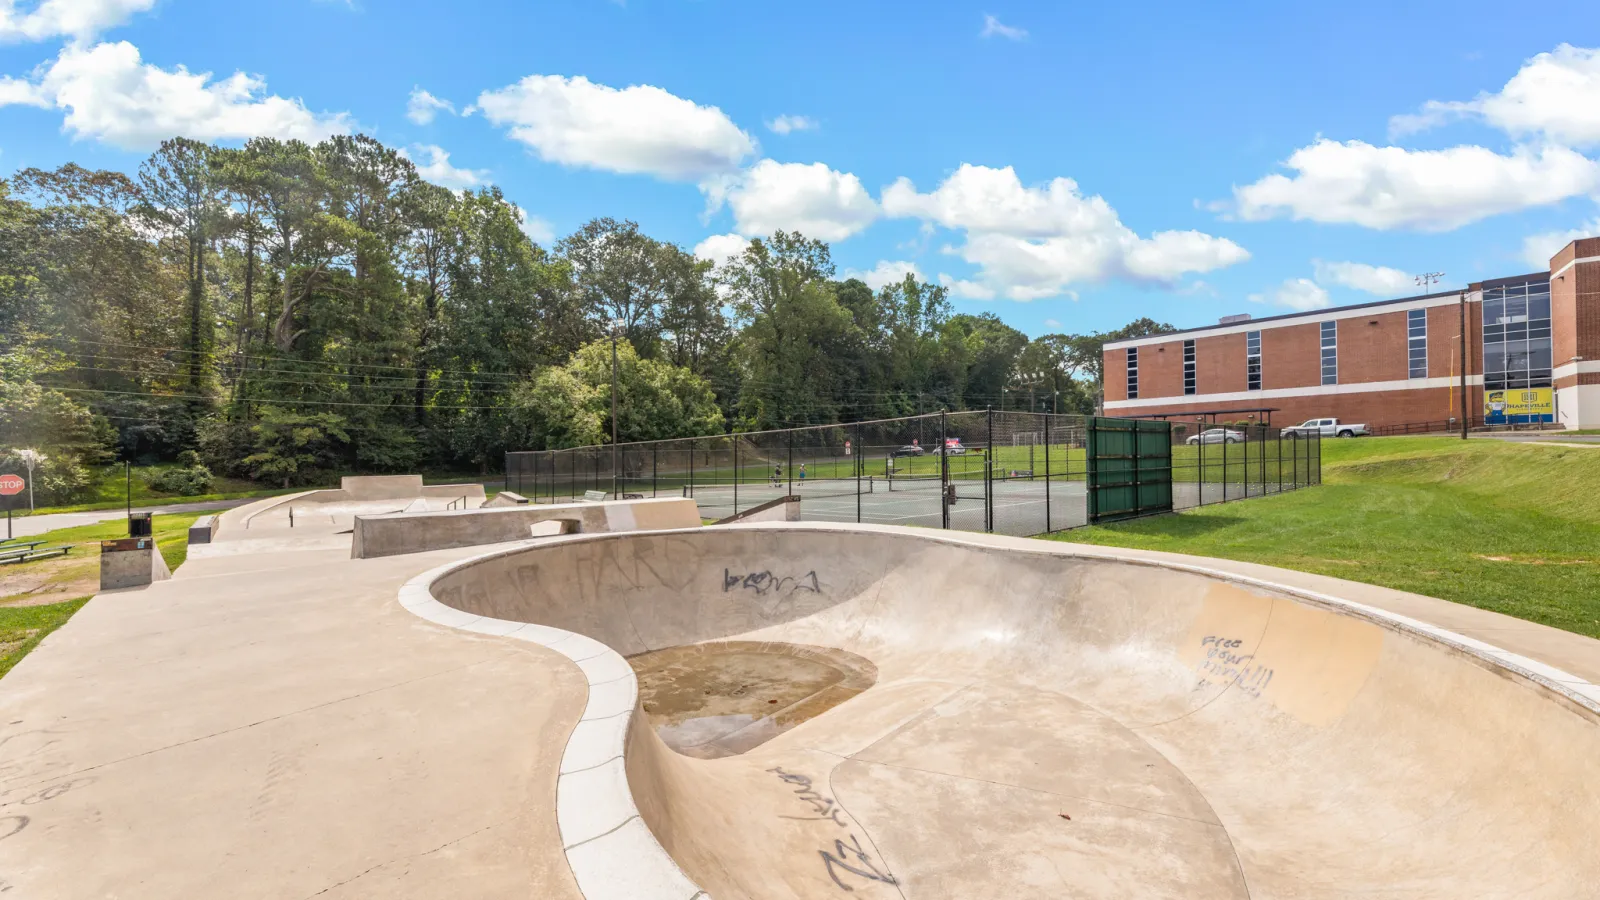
(415, 531)
(1041, 725)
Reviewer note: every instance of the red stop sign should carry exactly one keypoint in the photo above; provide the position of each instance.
(11, 484)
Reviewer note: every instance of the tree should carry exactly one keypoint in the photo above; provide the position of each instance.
(180, 198)
(618, 273)
(990, 352)
(571, 404)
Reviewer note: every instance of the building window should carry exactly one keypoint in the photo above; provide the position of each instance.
(1417, 343)
(1252, 360)
(1133, 373)
(1330, 352)
(1516, 336)
(1189, 385)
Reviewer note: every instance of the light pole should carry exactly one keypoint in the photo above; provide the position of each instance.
(616, 325)
(31, 458)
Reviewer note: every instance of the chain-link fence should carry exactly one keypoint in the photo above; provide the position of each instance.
(1005, 472)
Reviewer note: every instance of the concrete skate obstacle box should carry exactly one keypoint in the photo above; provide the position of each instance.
(1042, 716)
(131, 563)
(414, 532)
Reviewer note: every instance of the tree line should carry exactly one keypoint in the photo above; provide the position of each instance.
(283, 311)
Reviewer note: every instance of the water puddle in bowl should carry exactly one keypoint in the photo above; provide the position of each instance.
(723, 698)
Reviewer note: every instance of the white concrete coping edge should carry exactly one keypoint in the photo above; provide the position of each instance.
(612, 853)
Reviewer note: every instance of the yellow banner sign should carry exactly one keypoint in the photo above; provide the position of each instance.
(1520, 405)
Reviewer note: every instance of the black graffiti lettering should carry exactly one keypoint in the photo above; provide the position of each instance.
(10, 825)
(765, 582)
(862, 867)
(826, 809)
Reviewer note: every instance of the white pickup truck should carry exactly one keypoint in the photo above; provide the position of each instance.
(1326, 428)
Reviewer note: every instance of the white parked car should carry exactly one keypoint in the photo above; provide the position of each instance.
(1326, 428)
(1216, 436)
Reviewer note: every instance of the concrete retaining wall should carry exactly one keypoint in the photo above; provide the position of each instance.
(397, 533)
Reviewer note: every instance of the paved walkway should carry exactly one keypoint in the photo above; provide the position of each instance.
(27, 526)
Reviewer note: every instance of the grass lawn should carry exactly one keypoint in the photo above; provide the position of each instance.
(1498, 525)
(23, 627)
(78, 573)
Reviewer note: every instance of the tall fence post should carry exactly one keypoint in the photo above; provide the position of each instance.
(859, 456)
(788, 470)
(1047, 527)
(944, 471)
(988, 476)
(735, 441)
(655, 469)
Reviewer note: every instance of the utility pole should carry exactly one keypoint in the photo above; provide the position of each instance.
(616, 325)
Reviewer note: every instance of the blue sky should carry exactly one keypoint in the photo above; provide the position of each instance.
(1066, 166)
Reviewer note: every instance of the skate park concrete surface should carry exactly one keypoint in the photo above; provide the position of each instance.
(1015, 718)
(392, 534)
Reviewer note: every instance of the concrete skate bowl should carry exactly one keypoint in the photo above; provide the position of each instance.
(1027, 722)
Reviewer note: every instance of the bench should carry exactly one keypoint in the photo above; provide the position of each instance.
(594, 496)
(9, 546)
(31, 555)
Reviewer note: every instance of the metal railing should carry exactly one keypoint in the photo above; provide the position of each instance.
(1005, 472)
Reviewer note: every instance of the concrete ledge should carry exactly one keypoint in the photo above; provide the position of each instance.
(414, 532)
(200, 531)
(131, 563)
(505, 498)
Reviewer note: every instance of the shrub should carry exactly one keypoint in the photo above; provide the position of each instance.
(186, 482)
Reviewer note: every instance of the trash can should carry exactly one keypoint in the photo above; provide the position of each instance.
(139, 524)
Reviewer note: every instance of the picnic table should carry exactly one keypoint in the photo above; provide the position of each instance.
(31, 552)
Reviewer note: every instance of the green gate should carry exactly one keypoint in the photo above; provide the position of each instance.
(1129, 468)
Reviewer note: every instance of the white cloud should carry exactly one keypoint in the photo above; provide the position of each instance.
(787, 124)
(1296, 293)
(638, 129)
(438, 169)
(887, 271)
(721, 248)
(422, 107)
(1033, 242)
(1428, 190)
(965, 289)
(1052, 323)
(1538, 248)
(993, 27)
(112, 96)
(1556, 95)
(538, 230)
(1380, 280)
(812, 199)
(76, 19)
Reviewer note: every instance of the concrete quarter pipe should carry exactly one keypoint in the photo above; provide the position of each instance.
(1038, 724)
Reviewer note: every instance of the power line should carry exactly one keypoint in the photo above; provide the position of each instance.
(280, 402)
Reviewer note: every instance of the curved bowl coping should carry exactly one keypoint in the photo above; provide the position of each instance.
(614, 855)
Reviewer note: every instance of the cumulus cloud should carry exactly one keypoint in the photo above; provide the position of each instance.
(538, 230)
(422, 107)
(1297, 293)
(1380, 280)
(112, 96)
(810, 198)
(720, 248)
(1427, 190)
(637, 129)
(1538, 248)
(1555, 95)
(887, 271)
(787, 124)
(434, 166)
(1033, 242)
(993, 27)
(76, 19)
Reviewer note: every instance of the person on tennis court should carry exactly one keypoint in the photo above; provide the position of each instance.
(777, 475)
(802, 472)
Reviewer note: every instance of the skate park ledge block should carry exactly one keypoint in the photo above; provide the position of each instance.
(131, 563)
(202, 529)
(393, 534)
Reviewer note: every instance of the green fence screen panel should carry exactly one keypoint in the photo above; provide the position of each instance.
(1129, 465)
